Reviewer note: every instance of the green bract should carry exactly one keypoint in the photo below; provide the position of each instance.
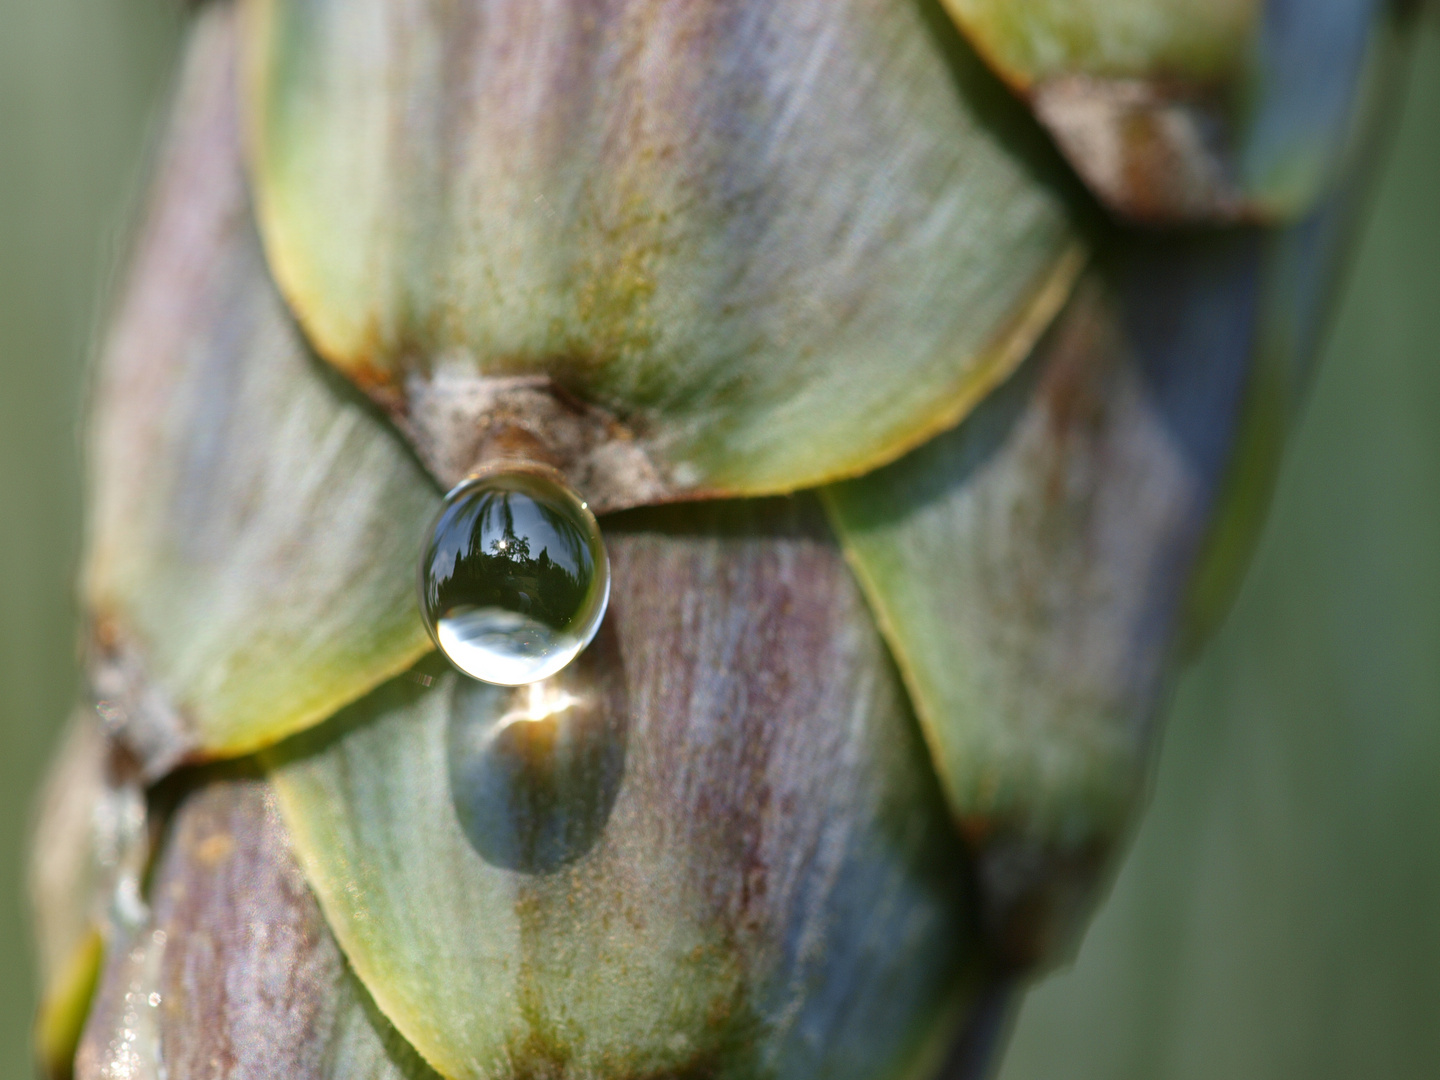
(773, 888)
(752, 247)
(254, 531)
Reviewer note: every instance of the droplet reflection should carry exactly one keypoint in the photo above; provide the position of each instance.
(535, 770)
(513, 579)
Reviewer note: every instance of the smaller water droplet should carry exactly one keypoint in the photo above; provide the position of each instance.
(514, 579)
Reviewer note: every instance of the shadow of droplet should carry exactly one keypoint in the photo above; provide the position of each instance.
(535, 770)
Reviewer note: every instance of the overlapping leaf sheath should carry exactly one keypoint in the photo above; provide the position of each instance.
(771, 884)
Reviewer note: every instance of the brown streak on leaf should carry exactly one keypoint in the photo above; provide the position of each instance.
(235, 974)
(1155, 151)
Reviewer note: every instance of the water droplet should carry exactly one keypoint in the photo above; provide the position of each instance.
(513, 579)
(535, 770)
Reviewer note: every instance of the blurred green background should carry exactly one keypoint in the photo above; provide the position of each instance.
(1279, 915)
(81, 82)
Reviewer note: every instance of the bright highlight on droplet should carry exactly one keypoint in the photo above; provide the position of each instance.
(514, 579)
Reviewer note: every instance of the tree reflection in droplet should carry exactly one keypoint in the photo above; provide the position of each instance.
(514, 578)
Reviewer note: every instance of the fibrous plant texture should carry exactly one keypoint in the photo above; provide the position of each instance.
(923, 368)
